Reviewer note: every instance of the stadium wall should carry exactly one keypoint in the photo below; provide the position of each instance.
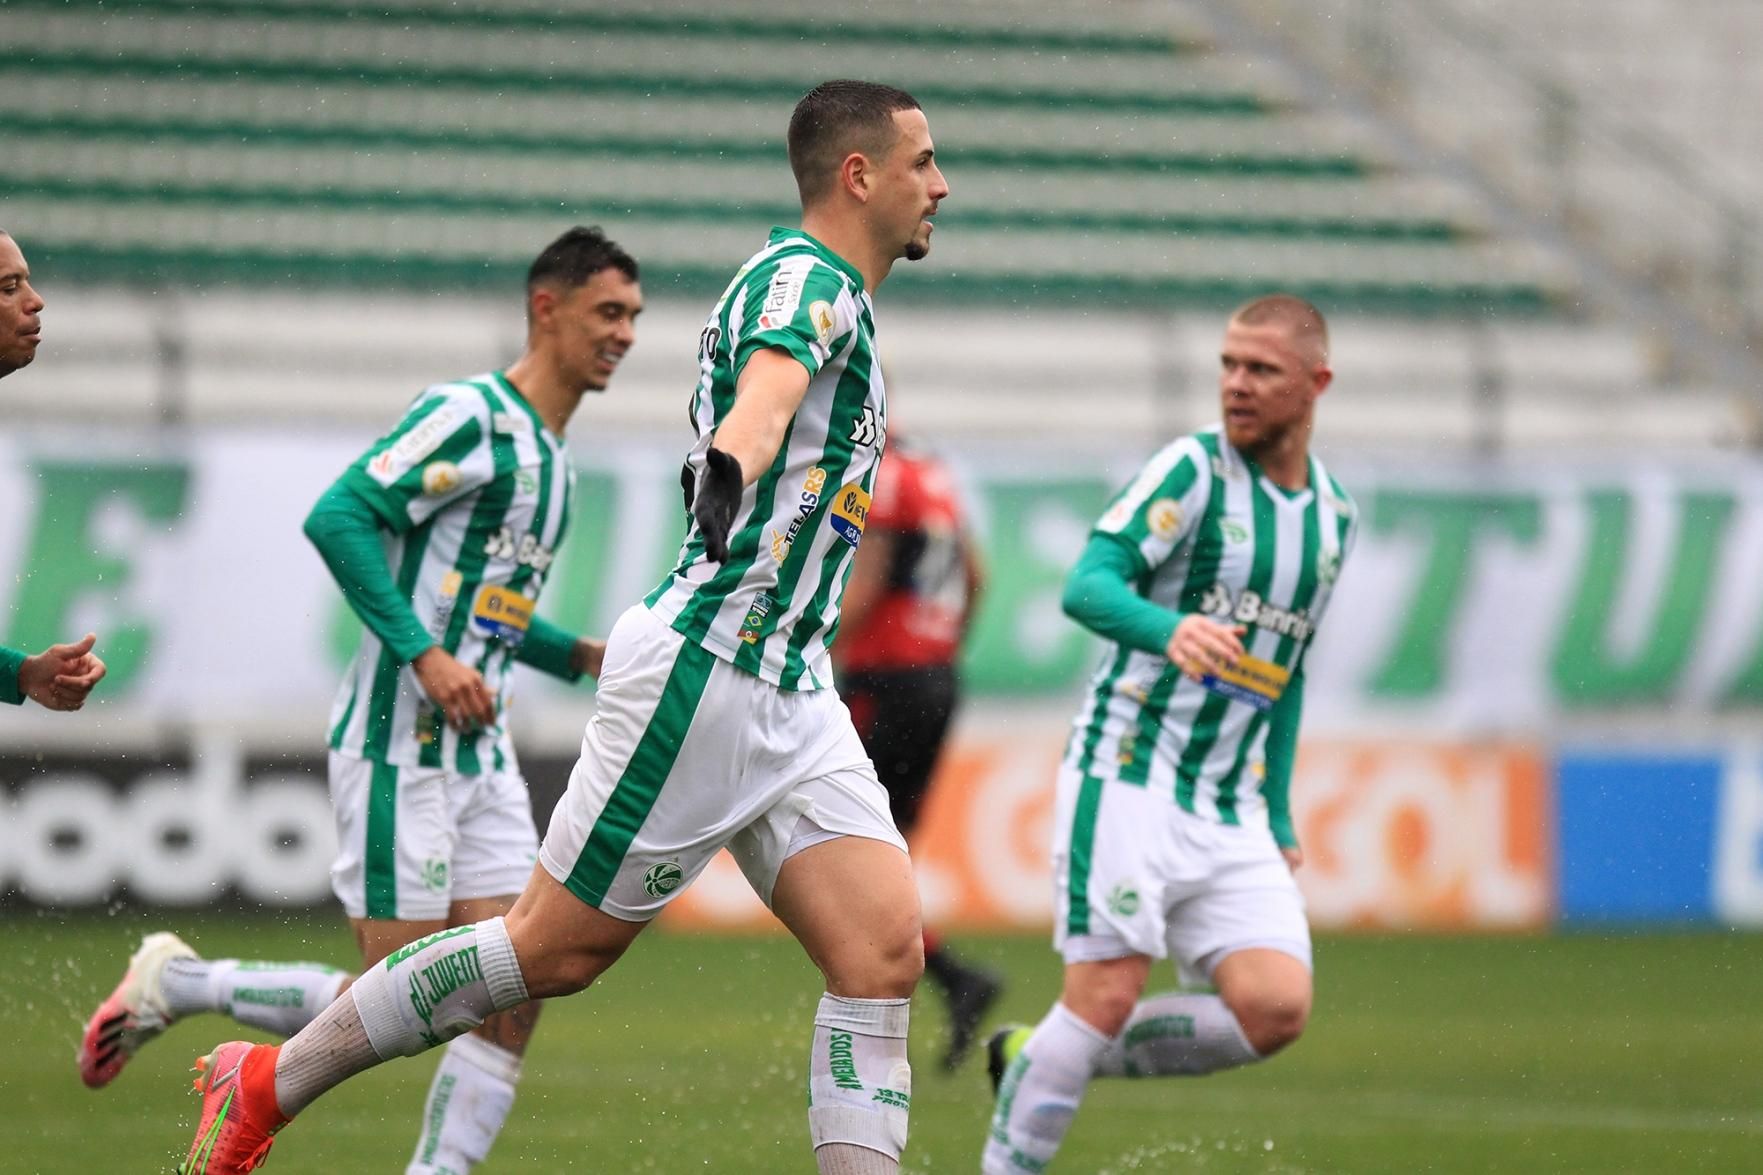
(1528, 707)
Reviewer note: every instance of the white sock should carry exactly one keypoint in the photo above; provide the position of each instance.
(1040, 1093)
(420, 996)
(468, 1101)
(859, 1084)
(1177, 1033)
(276, 997)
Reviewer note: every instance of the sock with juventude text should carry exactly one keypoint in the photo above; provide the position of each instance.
(419, 997)
(468, 1102)
(1177, 1034)
(277, 997)
(1039, 1094)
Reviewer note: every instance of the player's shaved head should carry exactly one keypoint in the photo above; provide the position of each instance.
(836, 119)
(1309, 330)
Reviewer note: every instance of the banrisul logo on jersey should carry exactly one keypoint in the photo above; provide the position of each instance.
(850, 513)
(1250, 608)
(806, 501)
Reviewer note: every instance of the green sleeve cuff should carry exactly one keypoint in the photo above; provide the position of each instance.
(345, 529)
(1282, 753)
(1099, 595)
(548, 649)
(11, 661)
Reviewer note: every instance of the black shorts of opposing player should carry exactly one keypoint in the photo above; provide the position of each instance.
(902, 716)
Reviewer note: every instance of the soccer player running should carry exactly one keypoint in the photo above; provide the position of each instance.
(715, 724)
(61, 677)
(906, 608)
(1207, 575)
(440, 537)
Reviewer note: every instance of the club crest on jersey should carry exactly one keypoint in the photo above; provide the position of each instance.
(1233, 531)
(1250, 608)
(806, 501)
(1328, 566)
(850, 513)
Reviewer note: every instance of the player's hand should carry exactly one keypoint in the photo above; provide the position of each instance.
(456, 688)
(715, 499)
(1201, 645)
(61, 676)
(588, 656)
(1294, 857)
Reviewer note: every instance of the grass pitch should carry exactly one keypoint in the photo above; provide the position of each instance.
(1575, 1053)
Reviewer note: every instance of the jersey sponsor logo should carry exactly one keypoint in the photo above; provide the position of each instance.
(1250, 608)
(446, 599)
(866, 431)
(755, 617)
(1164, 518)
(423, 438)
(440, 477)
(806, 501)
(784, 295)
(820, 314)
(850, 512)
(527, 551)
(511, 423)
(1251, 681)
(501, 613)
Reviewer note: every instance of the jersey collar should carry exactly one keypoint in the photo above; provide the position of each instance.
(513, 393)
(779, 234)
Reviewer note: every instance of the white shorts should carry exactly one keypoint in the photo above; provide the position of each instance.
(686, 755)
(411, 841)
(1134, 874)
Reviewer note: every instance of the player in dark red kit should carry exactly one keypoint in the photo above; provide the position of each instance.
(906, 609)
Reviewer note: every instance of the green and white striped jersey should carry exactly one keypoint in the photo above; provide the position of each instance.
(1213, 536)
(772, 607)
(475, 493)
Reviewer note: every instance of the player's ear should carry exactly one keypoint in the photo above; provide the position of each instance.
(1320, 378)
(541, 304)
(855, 174)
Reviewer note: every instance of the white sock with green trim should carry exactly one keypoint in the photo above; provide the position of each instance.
(420, 996)
(1040, 1093)
(468, 1102)
(1178, 1033)
(276, 997)
(859, 1084)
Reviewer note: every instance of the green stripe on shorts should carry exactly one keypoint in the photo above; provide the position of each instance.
(1083, 846)
(637, 789)
(382, 845)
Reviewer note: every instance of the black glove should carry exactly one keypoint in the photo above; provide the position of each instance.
(714, 500)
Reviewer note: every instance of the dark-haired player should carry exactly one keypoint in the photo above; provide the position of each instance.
(440, 537)
(714, 725)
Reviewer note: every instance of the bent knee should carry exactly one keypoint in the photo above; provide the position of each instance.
(884, 968)
(1270, 1023)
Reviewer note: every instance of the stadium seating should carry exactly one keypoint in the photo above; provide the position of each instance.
(307, 141)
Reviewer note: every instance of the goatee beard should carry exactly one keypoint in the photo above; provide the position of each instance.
(916, 251)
